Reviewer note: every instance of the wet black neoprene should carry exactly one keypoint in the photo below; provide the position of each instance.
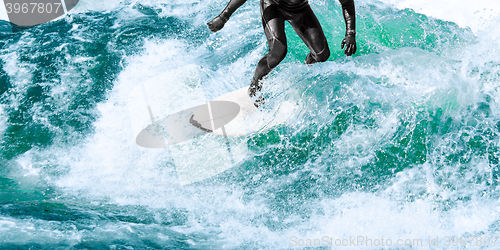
(303, 20)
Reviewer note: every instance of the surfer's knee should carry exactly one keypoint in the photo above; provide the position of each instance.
(322, 56)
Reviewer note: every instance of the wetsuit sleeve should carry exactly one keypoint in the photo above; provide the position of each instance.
(231, 7)
(349, 16)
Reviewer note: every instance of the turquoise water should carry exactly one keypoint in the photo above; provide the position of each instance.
(400, 141)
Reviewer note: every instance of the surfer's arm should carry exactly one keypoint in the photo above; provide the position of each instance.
(218, 22)
(349, 13)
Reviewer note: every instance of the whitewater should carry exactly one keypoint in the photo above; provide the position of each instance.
(396, 147)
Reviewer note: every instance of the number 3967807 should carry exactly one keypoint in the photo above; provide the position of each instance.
(32, 8)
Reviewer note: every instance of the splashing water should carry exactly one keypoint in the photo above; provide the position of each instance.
(400, 141)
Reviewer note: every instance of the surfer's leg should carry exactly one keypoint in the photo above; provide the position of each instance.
(309, 29)
(274, 28)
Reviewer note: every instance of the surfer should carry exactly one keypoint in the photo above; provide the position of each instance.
(305, 23)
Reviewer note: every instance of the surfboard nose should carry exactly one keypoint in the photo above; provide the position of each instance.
(214, 115)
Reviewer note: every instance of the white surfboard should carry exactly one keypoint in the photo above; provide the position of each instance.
(232, 107)
(160, 110)
(214, 117)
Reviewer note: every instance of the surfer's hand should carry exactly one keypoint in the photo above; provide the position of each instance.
(216, 24)
(350, 44)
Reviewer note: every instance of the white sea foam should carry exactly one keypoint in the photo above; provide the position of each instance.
(477, 15)
(109, 168)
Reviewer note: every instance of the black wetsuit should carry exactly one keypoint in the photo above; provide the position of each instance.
(303, 20)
